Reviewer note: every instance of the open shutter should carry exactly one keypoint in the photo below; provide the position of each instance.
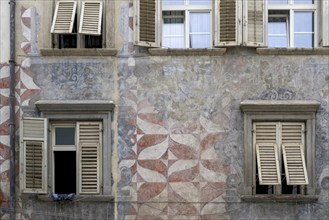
(294, 163)
(89, 151)
(64, 17)
(268, 164)
(255, 23)
(91, 18)
(33, 155)
(325, 22)
(147, 24)
(227, 22)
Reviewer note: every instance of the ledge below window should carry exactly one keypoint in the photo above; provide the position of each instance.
(80, 198)
(79, 52)
(293, 51)
(187, 52)
(280, 198)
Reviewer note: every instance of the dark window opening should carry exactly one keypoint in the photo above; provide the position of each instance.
(92, 41)
(263, 189)
(65, 172)
(69, 40)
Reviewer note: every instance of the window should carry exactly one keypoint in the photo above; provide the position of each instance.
(78, 24)
(67, 151)
(186, 24)
(325, 22)
(280, 162)
(292, 23)
(279, 148)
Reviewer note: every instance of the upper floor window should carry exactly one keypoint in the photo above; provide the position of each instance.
(292, 23)
(78, 24)
(186, 24)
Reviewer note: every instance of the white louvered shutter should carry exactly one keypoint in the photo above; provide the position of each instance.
(325, 22)
(89, 151)
(227, 22)
(91, 18)
(268, 164)
(294, 163)
(293, 140)
(255, 23)
(267, 153)
(147, 23)
(64, 17)
(33, 155)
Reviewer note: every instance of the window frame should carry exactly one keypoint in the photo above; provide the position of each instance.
(79, 111)
(325, 21)
(80, 37)
(285, 110)
(291, 8)
(188, 8)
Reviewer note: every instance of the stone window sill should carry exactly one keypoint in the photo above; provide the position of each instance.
(280, 198)
(187, 52)
(293, 51)
(79, 52)
(80, 198)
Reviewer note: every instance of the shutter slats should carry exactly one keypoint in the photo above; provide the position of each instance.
(89, 156)
(255, 31)
(91, 18)
(228, 22)
(33, 155)
(268, 164)
(294, 162)
(64, 17)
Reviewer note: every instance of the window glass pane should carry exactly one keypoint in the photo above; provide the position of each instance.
(173, 2)
(277, 2)
(304, 30)
(65, 172)
(173, 29)
(303, 21)
(200, 24)
(65, 136)
(200, 2)
(277, 32)
(303, 1)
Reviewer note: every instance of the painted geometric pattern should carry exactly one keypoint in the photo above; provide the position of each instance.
(25, 89)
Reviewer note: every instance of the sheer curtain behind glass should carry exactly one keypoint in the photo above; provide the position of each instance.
(199, 30)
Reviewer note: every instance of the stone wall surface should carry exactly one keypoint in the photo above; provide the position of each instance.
(178, 150)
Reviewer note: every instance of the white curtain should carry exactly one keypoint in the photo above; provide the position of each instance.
(200, 29)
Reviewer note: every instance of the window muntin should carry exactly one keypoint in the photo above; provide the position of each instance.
(285, 142)
(186, 24)
(300, 20)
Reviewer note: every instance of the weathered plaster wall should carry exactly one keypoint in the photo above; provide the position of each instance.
(177, 130)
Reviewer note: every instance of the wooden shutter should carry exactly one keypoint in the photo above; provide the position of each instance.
(64, 17)
(89, 151)
(227, 22)
(325, 22)
(255, 23)
(294, 163)
(292, 132)
(91, 18)
(265, 132)
(147, 23)
(268, 164)
(33, 155)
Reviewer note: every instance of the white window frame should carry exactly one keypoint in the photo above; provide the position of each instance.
(187, 9)
(285, 110)
(291, 8)
(78, 12)
(287, 26)
(325, 22)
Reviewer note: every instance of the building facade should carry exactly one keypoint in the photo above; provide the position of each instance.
(168, 110)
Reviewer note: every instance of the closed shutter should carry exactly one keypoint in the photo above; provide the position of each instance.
(33, 155)
(325, 22)
(91, 18)
(294, 163)
(292, 132)
(64, 17)
(89, 151)
(147, 23)
(268, 164)
(255, 20)
(228, 25)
